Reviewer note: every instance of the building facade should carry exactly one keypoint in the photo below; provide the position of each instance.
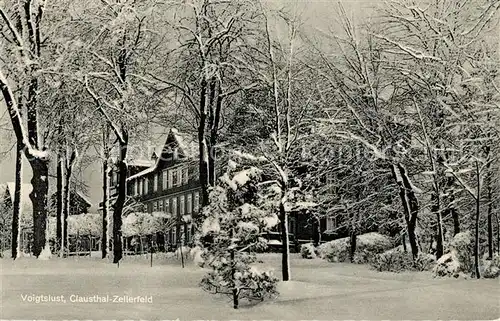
(167, 183)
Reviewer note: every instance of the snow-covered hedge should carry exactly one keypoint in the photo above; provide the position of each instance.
(138, 223)
(367, 246)
(491, 268)
(397, 260)
(460, 258)
(308, 251)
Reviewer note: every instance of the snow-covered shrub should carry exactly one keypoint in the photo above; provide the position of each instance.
(45, 254)
(491, 268)
(459, 260)
(424, 262)
(393, 260)
(447, 265)
(307, 251)
(462, 247)
(367, 246)
(397, 260)
(231, 231)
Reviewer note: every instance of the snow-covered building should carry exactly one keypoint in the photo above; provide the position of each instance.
(78, 203)
(168, 182)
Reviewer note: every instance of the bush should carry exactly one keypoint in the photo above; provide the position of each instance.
(368, 245)
(396, 260)
(491, 268)
(447, 265)
(462, 247)
(307, 251)
(459, 260)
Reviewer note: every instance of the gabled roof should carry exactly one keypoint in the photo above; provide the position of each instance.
(188, 147)
(84, 198)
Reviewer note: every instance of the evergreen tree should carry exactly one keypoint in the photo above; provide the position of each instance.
(235, 219)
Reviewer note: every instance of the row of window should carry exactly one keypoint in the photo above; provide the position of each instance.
(185, 234)
(170, 178)
(182, 205)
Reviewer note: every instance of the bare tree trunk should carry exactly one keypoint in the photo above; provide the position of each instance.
(38, 197)
(478, 208)
(498, 233)
(233, 274)
(410, 205)
(439, 227)
(59, 202)
(352, 243)
(105, 193)
(285, 246)
(120, 201)
(17, 202)
(489, 199)
(203, 148)
(317, 231)
(67, 194)
(490, 223)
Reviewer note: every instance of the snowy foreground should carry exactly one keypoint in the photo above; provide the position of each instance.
(320, 290)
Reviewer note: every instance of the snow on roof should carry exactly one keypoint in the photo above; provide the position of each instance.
(141, 162)
(188, 147)
(84, 197)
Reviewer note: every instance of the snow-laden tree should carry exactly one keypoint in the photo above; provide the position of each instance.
(20, 84)
(234, 221)
(113, 38)
(206, 68)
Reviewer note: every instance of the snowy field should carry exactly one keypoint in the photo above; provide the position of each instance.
(320, 290)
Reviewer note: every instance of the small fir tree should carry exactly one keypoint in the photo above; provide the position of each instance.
(234, 221)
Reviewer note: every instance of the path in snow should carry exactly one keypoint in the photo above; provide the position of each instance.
(320, 290)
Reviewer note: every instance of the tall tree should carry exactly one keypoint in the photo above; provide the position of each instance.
(26, 39)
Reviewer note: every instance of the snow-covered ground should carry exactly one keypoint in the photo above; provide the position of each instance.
(320, 290)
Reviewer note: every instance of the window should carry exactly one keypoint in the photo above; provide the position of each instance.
(182, 204)
(196, 203)
(189, 207)
(170, 179)
(330, 223)
(174, 236)
(181, 234)
(291, 226)
(155, 182)
(136, 190)
(165, 181)
(185, 175)
(141, 191)
(146, 185)
(175, 177)
(155, 206)
(188, 233)
(160, 205)
(167, 205)
(179, 176)
(174, 206)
